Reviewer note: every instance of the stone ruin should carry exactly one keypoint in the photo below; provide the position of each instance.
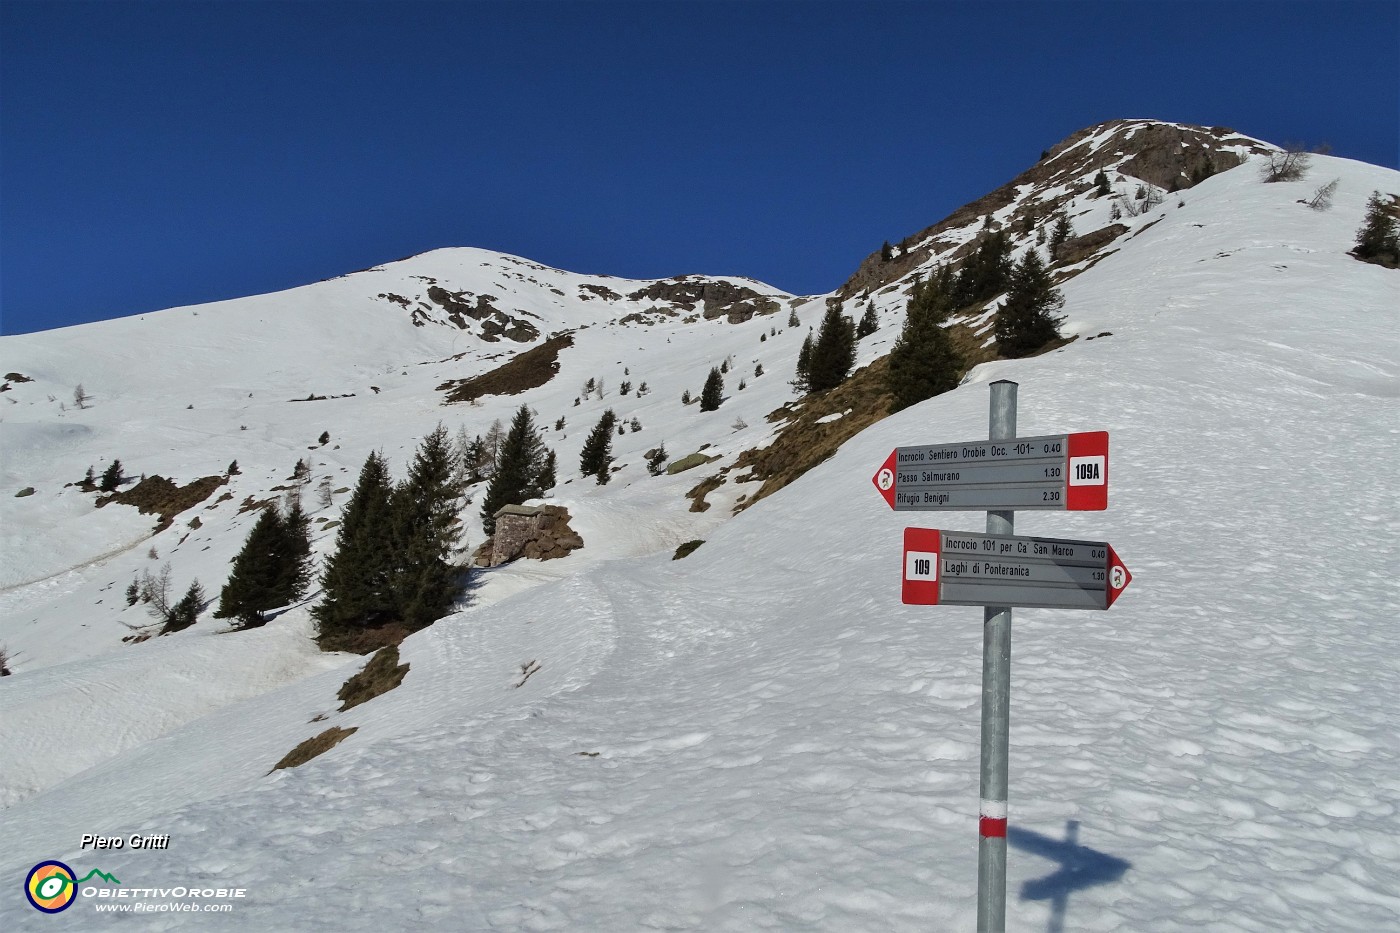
(540, 532)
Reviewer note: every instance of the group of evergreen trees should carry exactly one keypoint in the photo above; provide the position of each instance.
(923, 361)
(274, 567)
(393, 560)
(1378, 240)
(825, 362)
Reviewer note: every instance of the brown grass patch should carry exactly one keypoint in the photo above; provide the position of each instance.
(803, 443)
(365, 640)
(382, 674)
(528, 370)
(699, 493)
(157, 494)
(316, 745)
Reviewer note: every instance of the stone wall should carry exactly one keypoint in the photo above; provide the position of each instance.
(534, 531)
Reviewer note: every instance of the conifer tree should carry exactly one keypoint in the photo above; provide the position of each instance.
(985, 273)
(1027, 320)
(111, 477)
(549, 475)
(834, 352)
(1377, 239)
(656, 461)
(520, 462)
(185, 612)
(596, 458)
(255, 580)
(422, 582)
(712, 396)
(89, 480)
(802, 377)
(1062, 232)
(869, 322)
(923, 361)
(1100, 184)
(886, 253)
(293, 573)
(355, 579)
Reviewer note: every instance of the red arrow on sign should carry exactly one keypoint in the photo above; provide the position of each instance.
(884, 479)
(1118, 576)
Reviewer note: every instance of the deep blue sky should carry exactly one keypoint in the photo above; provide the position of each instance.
(161, 154)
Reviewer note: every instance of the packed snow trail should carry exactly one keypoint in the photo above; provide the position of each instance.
(760, 737)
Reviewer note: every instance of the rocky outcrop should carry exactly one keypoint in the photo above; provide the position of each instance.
(1169, 155)
(538, 532)
(736, 302)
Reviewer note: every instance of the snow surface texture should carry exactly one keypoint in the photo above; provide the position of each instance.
(760, 736)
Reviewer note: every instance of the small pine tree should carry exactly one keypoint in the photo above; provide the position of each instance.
(185, 612)
(1062, 232)
(1377, 239)
(559, 425)
(596, 458)
(294, 555)
(869, 322)
(324, 439)
(635, 424)
(792, 319)
(834, 352)
(886, 252)
(712, 396)
(685, 397)
(133, 592)
(111, 477)
(89, 480)
(233, 468)
(656, 461)
(758, 370)
(549, 476)
(1101, 184)
(923, 361)
(625, 388)
(801, 379)
(642, 390)
(1027, 321)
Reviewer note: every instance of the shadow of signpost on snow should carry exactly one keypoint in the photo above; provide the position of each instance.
(1080, 868)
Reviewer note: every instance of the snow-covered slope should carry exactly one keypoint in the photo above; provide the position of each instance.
(760, 736)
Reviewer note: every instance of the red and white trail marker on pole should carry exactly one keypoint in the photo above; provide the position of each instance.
(999, 570)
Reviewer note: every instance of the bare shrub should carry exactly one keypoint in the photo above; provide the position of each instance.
(1322, 197)
(1291, 163)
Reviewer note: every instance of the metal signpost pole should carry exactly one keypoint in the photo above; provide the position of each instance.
(996, 707)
